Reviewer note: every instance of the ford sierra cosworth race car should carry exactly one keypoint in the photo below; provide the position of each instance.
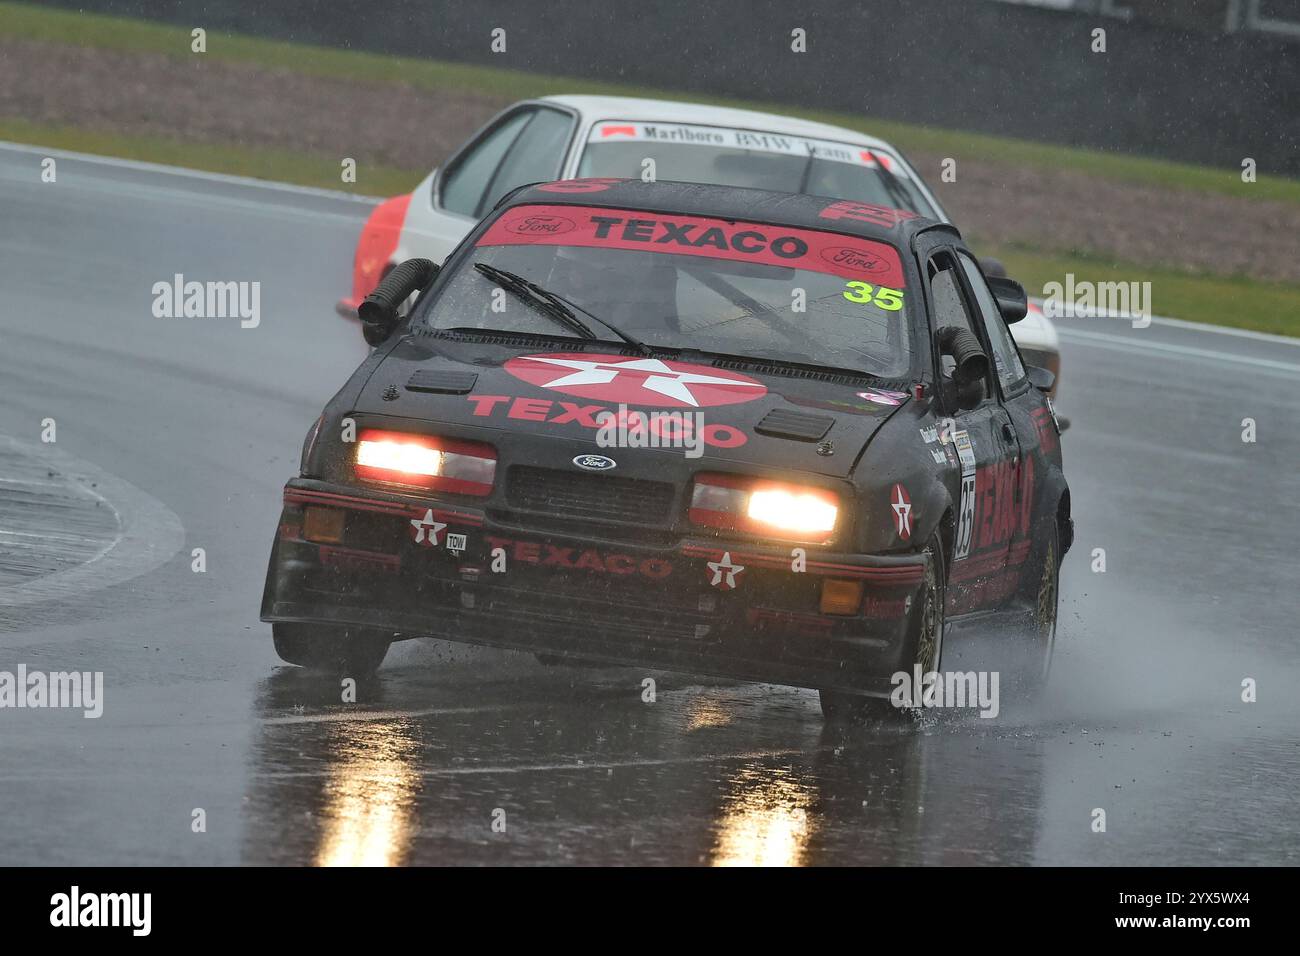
(730, 432)
(557, 137)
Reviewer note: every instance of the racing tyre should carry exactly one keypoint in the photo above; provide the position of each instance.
(925, 640)
(336, 648)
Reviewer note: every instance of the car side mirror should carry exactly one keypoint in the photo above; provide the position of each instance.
(378, 311)
(970, 366)
(1041, 378)
(992, 268)
(1010, 297)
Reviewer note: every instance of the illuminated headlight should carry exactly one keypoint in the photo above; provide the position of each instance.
(423, 461)
(410, 458)
(731, 502)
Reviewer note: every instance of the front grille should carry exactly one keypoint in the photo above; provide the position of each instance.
(589, 497)
(593, 620)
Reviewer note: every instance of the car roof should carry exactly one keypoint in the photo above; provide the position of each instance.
(596, 108)
(723, 202)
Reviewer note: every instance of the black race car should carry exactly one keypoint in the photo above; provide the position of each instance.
(724, 431)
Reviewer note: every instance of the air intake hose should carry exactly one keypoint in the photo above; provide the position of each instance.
(972, 365)
(380, 307)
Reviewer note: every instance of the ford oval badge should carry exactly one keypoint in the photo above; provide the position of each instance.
(595, 462)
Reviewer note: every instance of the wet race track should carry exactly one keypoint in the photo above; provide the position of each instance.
(176, 434)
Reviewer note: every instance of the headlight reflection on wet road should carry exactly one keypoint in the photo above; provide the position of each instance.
(765, 820)
(370, 795)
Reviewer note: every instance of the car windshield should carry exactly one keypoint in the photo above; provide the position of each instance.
(771, 292)
(737, 157)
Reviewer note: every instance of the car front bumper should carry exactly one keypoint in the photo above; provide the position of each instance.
(704, 605)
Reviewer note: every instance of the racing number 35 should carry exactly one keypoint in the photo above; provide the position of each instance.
(890, 300)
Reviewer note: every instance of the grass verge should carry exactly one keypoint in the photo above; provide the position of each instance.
(1216, 300)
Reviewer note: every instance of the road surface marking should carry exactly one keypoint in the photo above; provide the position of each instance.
(1227, 330)
(149, 533)
(145, 167)
(1122, 344)
(551, 767)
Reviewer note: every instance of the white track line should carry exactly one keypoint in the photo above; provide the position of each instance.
(1180, 324)
(471, 770)
(364, 716)
(141, 166)
(1228, 330)
(149, 533)
(1124, 344)
(554, 767)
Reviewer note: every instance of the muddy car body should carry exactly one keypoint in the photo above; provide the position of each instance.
(804, 443)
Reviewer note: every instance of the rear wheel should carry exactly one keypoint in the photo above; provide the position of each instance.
(925, 639)
(337, 648)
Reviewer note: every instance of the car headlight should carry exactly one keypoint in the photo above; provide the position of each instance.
(423, 461)
(733, 502)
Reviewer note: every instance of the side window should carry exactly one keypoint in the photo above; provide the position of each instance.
(950, 309)
(534, 156)
(1010, 370)
(464, 185)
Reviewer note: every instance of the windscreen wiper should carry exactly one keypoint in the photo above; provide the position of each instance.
(523, 289)
(554, 304)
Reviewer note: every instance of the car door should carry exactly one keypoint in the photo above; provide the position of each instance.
(984, 445)
(1028, 410)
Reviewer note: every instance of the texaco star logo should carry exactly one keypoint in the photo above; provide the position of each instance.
(725, 572)
(902, 506)
(636, 381)
(425, 530)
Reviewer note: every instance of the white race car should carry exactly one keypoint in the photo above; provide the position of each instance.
(592, 137)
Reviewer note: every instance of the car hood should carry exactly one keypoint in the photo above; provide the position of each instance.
(745, 412)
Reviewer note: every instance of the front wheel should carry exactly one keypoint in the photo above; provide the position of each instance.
(925, 640)
(337, 648)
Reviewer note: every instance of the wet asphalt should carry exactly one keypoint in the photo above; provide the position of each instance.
(455, 755)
